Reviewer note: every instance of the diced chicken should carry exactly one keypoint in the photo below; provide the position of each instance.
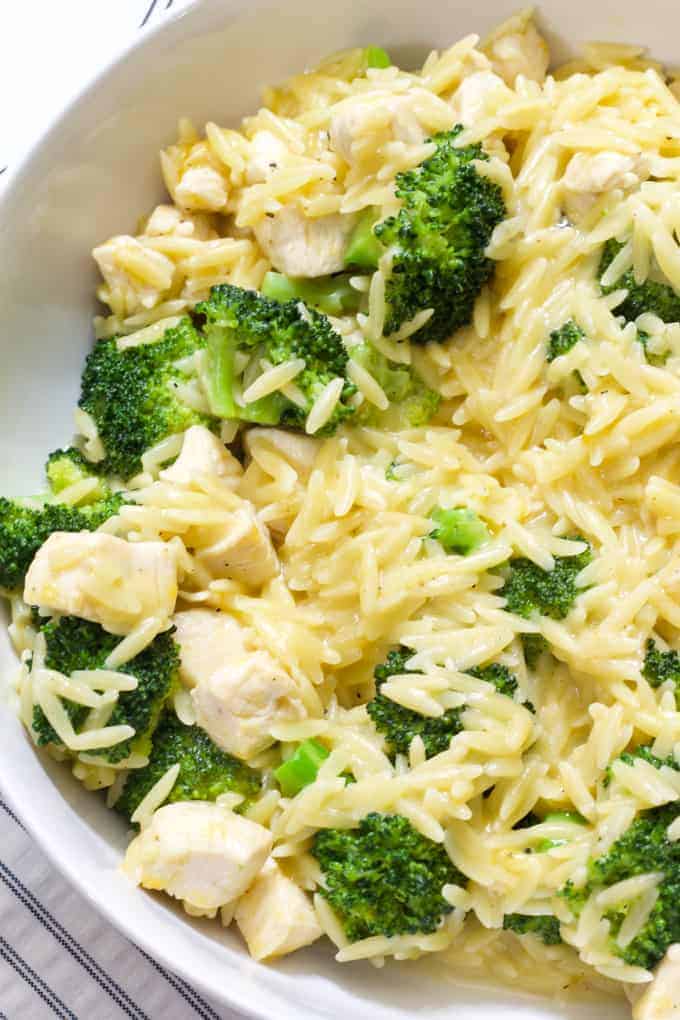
(588, 176)
(241, 548)
(240, 703)
(201, 188)
(477, 95)
(363, 116)
(274, 916)
(198, 852)
(135, 276)
(518, 48)
(202, 453)
(297, 450)
(267, 152)
(168, 220)
(661, 999)
(101, 578)
(298, 245)
(207, 640)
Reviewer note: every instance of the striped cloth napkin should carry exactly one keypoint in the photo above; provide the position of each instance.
(58, 956)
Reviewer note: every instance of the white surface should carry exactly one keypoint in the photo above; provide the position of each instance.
(93, 174)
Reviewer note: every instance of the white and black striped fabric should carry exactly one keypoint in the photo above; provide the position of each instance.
(60, 959)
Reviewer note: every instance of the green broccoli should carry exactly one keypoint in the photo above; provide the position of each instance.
(376, 56)
(573, 817)
(651, 357)
(543, 926)
(650, 296)
(458, 529)
(563, 339)
(641, 753)
(132, 395)
(412, 403)
(205, 772)
(25, 527)
(67, 467)
(238, 321)
(529, 589)
(73, 644)
(643, 848)
(439, 237)
(533, 646)
(400, 725)
(331, 295)
(661, 667)
(384, 877)
(364, 249)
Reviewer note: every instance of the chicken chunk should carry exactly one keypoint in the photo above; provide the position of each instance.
(298, 245)
(518, 48)
(241, 548)
(208, 640)
(198, 852)
(274, 916)
(135, 276)
(362, 116)
(661, 999)
(297, 450)
(202, 453)
(201, 188)
(477, 95)
(240, 703)
(169, 221)
(104, 579)
(267, 152)
(588, 176)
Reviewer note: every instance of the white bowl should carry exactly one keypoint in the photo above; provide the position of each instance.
(92, 175)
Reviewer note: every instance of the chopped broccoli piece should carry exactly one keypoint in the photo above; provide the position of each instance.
(376, 56)
(132, 395)
(533, 645)
(559, 816)
(643, 848)
(641, 753)
(391, 471)
(67, 467)
(302, 768)
(543, 926)
(440, 236)
(412, 403)
(73, 644)
(661, 667)
(24, 528)
(458, 529)
(206, 772)
(329, 294)
(563, 339)
(650, 296)
(364, 249)
(245, 322)
(529, 589)
(384, 878)
(400, 725)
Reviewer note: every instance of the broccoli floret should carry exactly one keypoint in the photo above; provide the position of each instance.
(72, 644)
(642, 849)
(641, 753)
(439, 237)
(67, 467)
(376, 56)
(205, 772)
(412, 403)
(650, 296)
(332, 295)
(529, 589)
(241, 321)
(458, 529)
(533, 646)
(400, 725)
(563, 339)
(543, 926)
(661, 667)
(132, 395)
(384, 878)
(24, 528)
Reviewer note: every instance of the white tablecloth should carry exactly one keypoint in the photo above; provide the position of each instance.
(58, 957)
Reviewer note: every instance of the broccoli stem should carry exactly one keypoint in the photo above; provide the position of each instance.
(376, 56)
(332, 295)
(364, 248)
(302, 768)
